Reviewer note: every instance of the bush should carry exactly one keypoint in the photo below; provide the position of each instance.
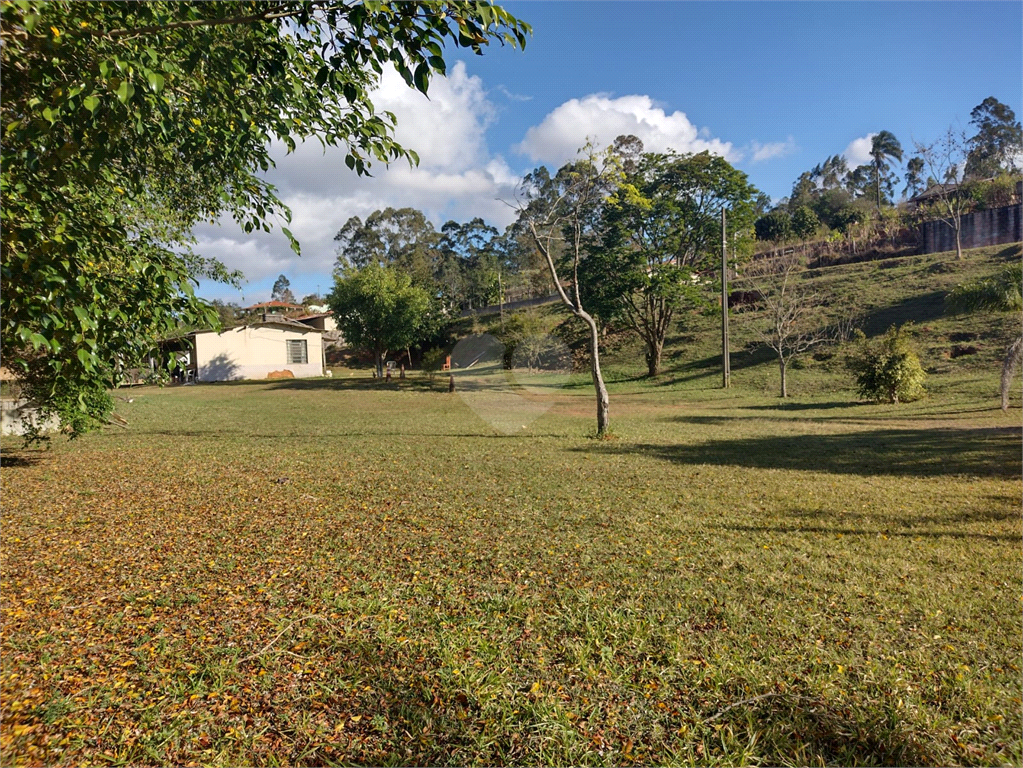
(433, 361)
(887, 370)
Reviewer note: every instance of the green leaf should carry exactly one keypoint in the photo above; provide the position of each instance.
(125, 92)
(155, 81)
(292, 241)
(91, 102)
(422, 77)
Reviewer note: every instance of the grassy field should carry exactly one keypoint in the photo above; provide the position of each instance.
(341, 572)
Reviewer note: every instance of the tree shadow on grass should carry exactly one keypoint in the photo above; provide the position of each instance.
(363, 384)
(908, 533)
(991, 452)
(810, 730)
(793, 406)
(922, 308)
(18, 460)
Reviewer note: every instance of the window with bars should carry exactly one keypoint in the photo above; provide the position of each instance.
(298, 351)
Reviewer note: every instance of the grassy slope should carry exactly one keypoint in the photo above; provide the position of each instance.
(331, 572)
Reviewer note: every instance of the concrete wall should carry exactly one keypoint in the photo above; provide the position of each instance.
(996, 226)
(251, 352)
(13, 414)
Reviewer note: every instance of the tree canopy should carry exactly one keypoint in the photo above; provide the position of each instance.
(125, 124)
(660, 228)
(998, 144)
(282, 290)
(379, 308)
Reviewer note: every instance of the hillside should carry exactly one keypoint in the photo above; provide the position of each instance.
(955, 351)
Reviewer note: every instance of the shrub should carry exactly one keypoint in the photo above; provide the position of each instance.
(433, 361)
(887, 369)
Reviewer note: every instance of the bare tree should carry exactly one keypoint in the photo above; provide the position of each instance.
(793, 321)
(944, 160)
(561, 215)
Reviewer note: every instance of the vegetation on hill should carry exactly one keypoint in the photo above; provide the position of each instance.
(876, 295)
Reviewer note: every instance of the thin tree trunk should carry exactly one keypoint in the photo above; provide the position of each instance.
(603, 419)
(877, 183)
(782, 364)
(959, 243)
(1013, 356)
(380, 362)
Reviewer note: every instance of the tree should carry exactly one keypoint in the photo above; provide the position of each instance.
(998, 143)
(831, 173)
(776, 226)
(944, 160)
(914, 176)
(125, 124)
(312, 300)
(378, 309)
(1001, 293)
(398, 237)
(804, 222)
(860, 180)
(792, 322)
(470, 249)
(282, 290)
(562, 216)
(661, 227)
(883, 146)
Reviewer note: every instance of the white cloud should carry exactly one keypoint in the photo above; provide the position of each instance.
(601, 119)
(457, 178)
(512, 96)
(858, 151)
(772, 149)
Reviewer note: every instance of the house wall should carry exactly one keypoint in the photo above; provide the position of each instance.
(253, 352)
(323, 323)
(996, 226)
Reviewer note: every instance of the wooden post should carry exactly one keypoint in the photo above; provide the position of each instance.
(726, 362)
(451, 383)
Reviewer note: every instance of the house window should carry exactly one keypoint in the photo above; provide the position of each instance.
(298, 351)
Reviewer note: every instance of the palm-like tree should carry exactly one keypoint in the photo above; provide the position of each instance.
(914, 175)
(883, 146)
(1001, 293)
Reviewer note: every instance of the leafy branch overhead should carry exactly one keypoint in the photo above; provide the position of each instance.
(125, 124)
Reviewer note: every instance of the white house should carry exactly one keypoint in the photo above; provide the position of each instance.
(253, 351)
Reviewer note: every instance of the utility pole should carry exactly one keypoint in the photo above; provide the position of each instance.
(500, 295)
(727, 364)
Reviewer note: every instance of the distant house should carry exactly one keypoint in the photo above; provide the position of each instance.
(324, 321)
(275, 306)
(254, 351)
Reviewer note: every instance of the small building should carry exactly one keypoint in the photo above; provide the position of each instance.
(324, 321)
(252, 351)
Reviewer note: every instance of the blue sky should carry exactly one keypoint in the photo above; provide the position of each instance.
(774, 87)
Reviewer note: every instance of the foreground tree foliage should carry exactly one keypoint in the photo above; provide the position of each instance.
(125, 124)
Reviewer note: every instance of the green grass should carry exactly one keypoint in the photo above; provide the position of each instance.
(342, 571)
